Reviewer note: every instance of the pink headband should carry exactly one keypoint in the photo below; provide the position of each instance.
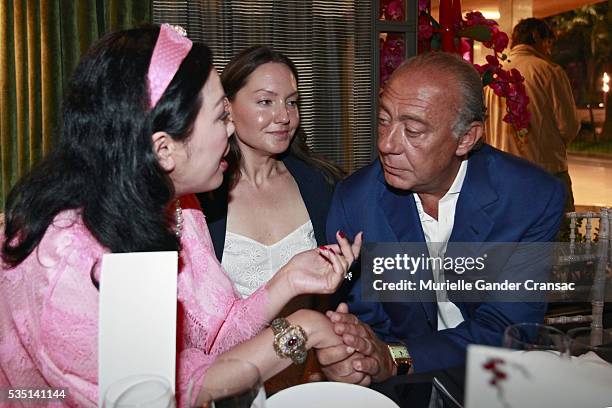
(170, 50)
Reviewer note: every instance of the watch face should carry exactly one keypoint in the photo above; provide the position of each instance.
(399, 352)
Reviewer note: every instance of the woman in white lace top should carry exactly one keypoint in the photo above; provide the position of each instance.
(276, 195)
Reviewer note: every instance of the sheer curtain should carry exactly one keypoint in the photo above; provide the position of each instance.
(329, 41)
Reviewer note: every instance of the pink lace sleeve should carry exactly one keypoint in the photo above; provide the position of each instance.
(238, 327)
(49, 314)
(215, 317)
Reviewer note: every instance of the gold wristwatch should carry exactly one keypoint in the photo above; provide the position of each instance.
(401, 357)
(289, 340)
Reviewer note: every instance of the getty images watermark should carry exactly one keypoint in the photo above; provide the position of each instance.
(476, 272)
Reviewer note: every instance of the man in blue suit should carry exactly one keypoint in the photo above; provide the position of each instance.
(434, 181)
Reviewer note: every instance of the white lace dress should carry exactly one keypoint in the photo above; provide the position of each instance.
(250, 264)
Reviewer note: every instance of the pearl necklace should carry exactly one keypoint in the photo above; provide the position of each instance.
(178, 216)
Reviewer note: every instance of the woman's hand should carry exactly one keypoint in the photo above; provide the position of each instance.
(321, 270)
(351, 251)
(318, 328)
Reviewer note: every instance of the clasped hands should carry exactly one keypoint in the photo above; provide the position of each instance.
(362, 358)
(349, 350)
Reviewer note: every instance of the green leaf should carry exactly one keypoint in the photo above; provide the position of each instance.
(478, 32)
(436, 43)
(487, 78)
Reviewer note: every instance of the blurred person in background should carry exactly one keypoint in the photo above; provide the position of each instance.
(554, 120)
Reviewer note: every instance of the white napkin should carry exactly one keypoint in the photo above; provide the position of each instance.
(591, 358)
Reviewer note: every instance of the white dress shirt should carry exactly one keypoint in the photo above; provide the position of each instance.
(439, 232)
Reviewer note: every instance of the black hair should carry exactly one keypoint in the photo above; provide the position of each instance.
(104, 164)
(234, 77)
(530, 30)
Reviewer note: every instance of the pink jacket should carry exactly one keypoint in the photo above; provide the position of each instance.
(49, 310)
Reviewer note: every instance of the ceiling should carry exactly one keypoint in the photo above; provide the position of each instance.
(541, 8)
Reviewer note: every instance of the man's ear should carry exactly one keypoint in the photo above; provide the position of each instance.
(163, 147)
(469, 139)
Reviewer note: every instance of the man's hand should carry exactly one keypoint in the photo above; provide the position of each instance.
(337, 363)
(372, 356)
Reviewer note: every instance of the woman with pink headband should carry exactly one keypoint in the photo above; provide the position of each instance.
(143, 124)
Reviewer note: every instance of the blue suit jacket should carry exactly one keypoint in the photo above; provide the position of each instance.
(314, 189)
(503, 199)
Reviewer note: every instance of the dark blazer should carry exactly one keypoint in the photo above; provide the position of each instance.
(314, 189)
(503, 199)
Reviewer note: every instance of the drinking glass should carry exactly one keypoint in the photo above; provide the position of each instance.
(536, 337)
(144, 390)
(228, 383)
(585, 340)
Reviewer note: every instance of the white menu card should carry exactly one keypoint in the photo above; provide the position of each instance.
(503, 378)
(137, 326)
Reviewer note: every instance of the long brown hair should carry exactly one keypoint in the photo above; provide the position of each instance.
(234, 77)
